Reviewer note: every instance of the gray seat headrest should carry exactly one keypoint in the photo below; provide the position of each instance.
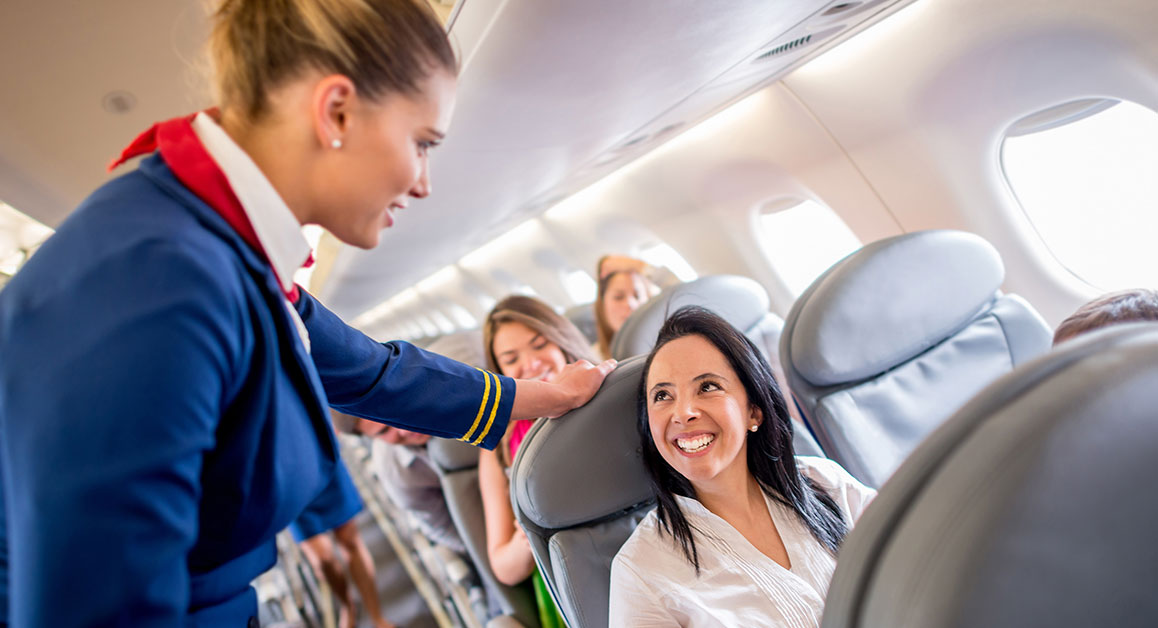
(452, 455)
(586, 464)
(583, 317)
(1029, 506)
(739, 300)
(922, 286)
(465, 346)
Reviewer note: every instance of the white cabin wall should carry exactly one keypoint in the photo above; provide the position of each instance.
(896, 130)
(921, 102)
(700, 191)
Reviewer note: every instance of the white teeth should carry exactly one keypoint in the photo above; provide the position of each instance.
(692, 445)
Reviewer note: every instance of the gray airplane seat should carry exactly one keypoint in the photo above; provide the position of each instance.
(894, 338)
(579, 488)
(457, 466)
(739, 300)
(464, 346)
(583, 317)
(1031, 506)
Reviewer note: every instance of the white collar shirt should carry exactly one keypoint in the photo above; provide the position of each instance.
(653, 584)
(278, 230)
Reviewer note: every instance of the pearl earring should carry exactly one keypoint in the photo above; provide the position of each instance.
(753, 428)
(336, 143)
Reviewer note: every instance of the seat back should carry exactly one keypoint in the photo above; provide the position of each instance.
(457, 466)
(1029, 507)
(894, 338)
(579, 488)
(465, 346)
(739, 300)
(583, 317)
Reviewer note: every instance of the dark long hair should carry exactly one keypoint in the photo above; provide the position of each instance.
(771, 459)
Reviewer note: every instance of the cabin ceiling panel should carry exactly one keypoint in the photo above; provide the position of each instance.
(549, 87)
(80, 80)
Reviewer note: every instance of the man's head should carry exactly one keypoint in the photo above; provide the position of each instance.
(1127, 306)
(390, 434)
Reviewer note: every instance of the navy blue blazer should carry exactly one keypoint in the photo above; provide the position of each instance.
(161, 421)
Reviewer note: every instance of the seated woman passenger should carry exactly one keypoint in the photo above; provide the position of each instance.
(625, 283)
(744, 533)
(1126, 306)
(523, 337)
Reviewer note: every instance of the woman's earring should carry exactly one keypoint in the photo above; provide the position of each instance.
(754, 428)
(336, 143)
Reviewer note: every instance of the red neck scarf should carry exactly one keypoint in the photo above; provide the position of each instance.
(183, 152)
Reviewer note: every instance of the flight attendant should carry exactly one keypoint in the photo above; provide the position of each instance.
(164, 385)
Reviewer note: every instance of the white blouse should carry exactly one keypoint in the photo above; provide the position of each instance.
(653, 584)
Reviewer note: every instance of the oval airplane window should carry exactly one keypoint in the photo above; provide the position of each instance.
(580, 286)
(802, 238)
(442, 321)
(1089, 188)
(661, 254)
(462, 317)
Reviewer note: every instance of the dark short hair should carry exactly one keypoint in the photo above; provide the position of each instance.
(771, 457)
(1126, 306)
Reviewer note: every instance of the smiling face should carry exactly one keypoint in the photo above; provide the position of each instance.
(382, 161)
(524, 353)
(698, 412)
(626, 291)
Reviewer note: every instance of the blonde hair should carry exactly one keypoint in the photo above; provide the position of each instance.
(542, 319)
(383, 46)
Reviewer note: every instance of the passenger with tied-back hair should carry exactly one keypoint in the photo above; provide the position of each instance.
(744, 533)
(523, 338)
(625, 283)
(190, 378)
(1126, 306)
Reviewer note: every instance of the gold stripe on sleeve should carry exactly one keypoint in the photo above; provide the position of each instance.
(494, 410)
(481, 407)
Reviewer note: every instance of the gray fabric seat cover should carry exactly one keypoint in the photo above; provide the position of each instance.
(894, 338)
(457, 465)
(1031, 506)
(579, 488)
(583, 317)
(739, 300)
(465, 346)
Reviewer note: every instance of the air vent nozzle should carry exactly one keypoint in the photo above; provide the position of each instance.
(782, 48)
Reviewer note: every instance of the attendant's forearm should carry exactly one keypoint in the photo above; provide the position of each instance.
(535, 399)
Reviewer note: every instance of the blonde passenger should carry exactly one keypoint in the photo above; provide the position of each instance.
(526, 339)
(744, 532)
(625, 283)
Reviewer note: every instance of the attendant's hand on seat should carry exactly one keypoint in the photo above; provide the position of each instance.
(579, 381)
(572, 387)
